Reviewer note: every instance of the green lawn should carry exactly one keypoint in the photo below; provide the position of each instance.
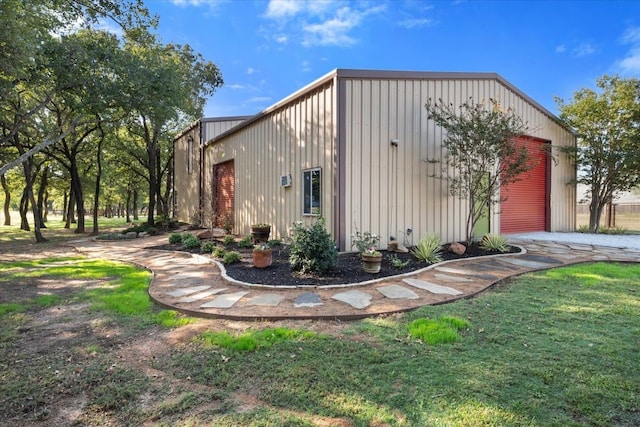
(555, 348)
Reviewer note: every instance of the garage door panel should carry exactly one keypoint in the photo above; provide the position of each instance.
(525, 203)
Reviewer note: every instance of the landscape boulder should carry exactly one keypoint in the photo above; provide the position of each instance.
(457, 248)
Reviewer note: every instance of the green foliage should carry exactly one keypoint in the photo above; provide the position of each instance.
(274, 242)
(397, 262)
(207, 247)
(583, 229)
(429, 249)
(607, 121)
(494, 242)
(613, 230)
(364, 240)
(175, 238)
(312, 248)
(253, 340)
(219, 252)
(232, 257)
(480, 153)
(172, 319)
(440, 331)
(245, 242)
(166, 223)
(189, 241)
(228, 240)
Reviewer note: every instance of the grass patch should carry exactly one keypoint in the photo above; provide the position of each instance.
(437, 331)
(7, 308)
(253, 340)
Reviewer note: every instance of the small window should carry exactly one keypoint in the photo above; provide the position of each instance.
(190, 154)
(311, 192)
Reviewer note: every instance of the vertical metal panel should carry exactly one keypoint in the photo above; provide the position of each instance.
(296, 136)
(187, 185)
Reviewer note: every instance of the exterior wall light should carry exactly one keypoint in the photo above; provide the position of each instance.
(394, 142)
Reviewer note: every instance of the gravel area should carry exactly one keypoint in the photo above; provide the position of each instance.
(629, 241)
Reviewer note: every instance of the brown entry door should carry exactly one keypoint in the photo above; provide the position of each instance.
(526, 207)
(223, 192)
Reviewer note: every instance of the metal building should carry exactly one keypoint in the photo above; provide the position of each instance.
(351, 147)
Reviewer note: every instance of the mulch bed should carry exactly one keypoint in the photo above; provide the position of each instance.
(349, 268)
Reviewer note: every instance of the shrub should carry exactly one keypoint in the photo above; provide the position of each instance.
(175, 238)
(583, 229)
(164, 222)
(494, 242)
(190, 242)
(364, 241)
(429, 249)
(231, 257)
(312, 248)
(245, 242)
(613, 230)
(219, 252)
(228, 240)
(397, 262)
(207, 247)
(274, 242)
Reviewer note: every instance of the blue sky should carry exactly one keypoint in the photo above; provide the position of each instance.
(267, 50)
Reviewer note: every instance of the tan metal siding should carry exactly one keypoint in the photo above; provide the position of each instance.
(297, 136)
(218, 126)
(186, 185)
(387, 199)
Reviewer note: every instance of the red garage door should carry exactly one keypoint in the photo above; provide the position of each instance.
(526, 207)
(223, 192)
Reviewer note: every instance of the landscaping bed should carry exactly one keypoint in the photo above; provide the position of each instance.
(348, 270)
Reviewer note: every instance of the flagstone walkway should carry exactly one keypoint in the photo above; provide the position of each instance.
(198, 286)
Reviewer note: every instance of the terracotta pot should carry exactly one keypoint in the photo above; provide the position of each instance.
(262, 258)
(260, 234)
(371, 263)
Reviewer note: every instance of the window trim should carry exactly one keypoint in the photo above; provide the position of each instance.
(190, 154)
(304, 191)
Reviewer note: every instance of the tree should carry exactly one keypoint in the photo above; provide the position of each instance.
(607, 122)
(479, 153)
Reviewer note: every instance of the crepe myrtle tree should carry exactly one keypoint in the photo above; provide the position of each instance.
(479, 153)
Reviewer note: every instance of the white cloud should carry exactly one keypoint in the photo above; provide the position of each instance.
(284, 8)
(584, 49)
(630, 64)
(235, 86)
(251, 70)
(561, 48)
(306, 66)
(319, 22)
(415, 22)
(184, 3)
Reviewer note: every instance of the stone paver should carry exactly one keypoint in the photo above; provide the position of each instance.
(397, 291)
(195, 285)
(187, 291)
(308, 299)
(201, 295)
(356, 299)
(432, 287)
(225, 301)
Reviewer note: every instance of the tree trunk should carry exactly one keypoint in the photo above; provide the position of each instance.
(23, 209)
(34, 206)
(46, 206)
(7, 200)
(96, 196)
(135, 204)
(64, 208)
(78, 196)
(153, 186)
(70, 209)
(128, 206)
(41, 192)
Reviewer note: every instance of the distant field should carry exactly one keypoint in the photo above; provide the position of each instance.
(627, 216)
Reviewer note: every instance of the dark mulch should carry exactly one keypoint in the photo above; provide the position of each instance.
(349, 269)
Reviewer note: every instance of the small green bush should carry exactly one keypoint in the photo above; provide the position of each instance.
(312, 249)
(429, 249)
(494, 242)
(397, 262)
(164, 222)
(613, 230)
(190, 242)
(175, 238)
(245, 242)
(231, 257)
(583, 229)
(228, 240)
(437, 331)
(207, 247)
(364, 240)
(219, 252)
(274, 242)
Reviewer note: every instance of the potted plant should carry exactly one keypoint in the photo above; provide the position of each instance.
(262, 255)
(260, 233)
(371, 260)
